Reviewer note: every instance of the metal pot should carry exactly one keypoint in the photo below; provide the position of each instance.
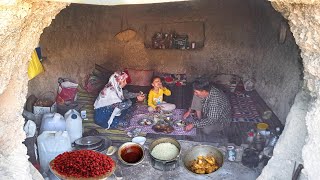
(165, 165)
(202, 150)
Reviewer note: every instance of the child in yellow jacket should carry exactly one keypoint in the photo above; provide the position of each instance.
(155, 96)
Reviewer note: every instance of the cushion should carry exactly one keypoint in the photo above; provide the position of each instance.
(140, 77)
(95, 81)
(177, 79)
(227, 81)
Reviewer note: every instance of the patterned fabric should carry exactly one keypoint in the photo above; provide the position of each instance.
(176, 79)
(244, 108)
(111, 93)
(215, 109)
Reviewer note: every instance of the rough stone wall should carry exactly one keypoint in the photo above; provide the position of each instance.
(241, 37)
(21, 24)
(305, 25)
(288, 150)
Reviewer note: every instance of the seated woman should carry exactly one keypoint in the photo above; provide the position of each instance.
(155, 96)
(112, 103)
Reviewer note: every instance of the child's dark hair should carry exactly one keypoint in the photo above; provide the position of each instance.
(155, 77)
(201, 84)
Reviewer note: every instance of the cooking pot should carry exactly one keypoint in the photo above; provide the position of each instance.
(202, 150)
(165, 165)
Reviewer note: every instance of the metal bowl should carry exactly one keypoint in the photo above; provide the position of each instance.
(202, 150)
(131, 153)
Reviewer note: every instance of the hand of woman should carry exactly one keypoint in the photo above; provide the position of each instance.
(141, 97)
(188, 127)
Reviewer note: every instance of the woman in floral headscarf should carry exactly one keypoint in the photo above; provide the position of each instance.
(112, 103)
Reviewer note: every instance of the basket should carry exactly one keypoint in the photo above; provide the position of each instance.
(45, 104)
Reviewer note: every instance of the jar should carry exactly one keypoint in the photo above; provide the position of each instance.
(231, 153)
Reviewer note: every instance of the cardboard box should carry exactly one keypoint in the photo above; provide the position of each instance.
(40, 110)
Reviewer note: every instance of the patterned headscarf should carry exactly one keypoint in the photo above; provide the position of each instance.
(112, 92)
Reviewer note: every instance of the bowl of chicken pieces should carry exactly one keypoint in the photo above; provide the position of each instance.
(203, 159)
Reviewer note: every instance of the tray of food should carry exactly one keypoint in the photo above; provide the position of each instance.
(164, 128)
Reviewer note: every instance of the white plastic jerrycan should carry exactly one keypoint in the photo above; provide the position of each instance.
(50, 145)
(73, 124)
(52, 122)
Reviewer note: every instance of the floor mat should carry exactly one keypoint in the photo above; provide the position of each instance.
(244, 108)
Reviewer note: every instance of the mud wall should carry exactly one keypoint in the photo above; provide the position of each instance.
(303, 144)
(21, 24)
(241, 37)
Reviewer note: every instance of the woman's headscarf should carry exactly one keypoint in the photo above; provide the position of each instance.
(112, 92)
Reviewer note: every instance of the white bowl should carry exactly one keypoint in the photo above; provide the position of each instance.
(139, 139)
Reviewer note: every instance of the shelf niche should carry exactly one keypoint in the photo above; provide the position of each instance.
(194, 29)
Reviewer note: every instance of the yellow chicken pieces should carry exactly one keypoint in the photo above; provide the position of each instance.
(204, 165)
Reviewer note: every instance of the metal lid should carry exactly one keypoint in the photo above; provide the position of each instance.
(88, 141)
(98, 143)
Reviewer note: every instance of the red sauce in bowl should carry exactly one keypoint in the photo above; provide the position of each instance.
(131, 154)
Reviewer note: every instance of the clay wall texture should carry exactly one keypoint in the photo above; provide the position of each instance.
(241, 37)
(21, 24)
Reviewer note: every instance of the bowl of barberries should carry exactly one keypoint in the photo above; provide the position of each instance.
(82, 165)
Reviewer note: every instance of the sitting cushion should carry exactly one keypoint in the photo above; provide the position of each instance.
(95, 81)
(140, 77)
(177, 79)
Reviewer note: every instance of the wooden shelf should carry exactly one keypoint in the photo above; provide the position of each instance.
(194, 29)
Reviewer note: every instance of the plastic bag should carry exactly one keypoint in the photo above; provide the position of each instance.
(67, 92)
(30, 128)
(35, 67)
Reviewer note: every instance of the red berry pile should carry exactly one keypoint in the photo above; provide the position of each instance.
(83, 164)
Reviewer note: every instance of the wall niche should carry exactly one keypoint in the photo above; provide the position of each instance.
(180, 35)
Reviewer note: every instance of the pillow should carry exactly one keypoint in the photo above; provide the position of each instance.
(95, 81)
(140, 77)
(177, 79)
(227, 81)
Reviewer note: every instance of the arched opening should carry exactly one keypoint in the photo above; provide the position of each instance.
(246, 44)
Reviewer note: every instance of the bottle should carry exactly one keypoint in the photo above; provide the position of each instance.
(274, 138)
(250, 137)
(268, 151)
(73, 124)
(259, 142)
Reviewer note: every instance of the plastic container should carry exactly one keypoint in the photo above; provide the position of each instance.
(52, 122)
(73, 124)
(262, 127)
(231, 153)
(51, 144)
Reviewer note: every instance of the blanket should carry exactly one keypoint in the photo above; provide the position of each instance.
(244, 108)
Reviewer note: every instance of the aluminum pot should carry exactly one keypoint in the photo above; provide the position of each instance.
(131, 153)
(165, 165)
(202, 150)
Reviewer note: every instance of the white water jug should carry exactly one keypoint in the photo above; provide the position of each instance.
(52, 122)
(73, 124)
(50, 145)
